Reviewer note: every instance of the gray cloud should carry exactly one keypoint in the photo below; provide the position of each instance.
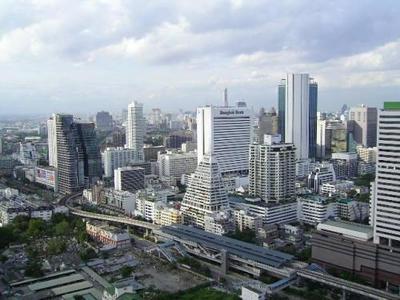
(79, 51)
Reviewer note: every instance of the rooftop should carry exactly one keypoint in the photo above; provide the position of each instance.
(236, 247)
(349, 229)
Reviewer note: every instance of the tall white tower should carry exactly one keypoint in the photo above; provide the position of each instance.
(386, 192)
(297, 109)
(52, 141)
(226, 133)
(135, 129)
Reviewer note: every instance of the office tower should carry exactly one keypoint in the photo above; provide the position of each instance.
(386, 200)
(1, 145)
(135, 129)
(332, 137)
(267, 124)
(226, 133)
(173, 164)
(272, 174)
(205, 194)
(364, 121)
(52, 141)
(78, 156)
(176, 139)
(114, 158)
(129, 179)
(297, 107)
(104, 121)
(225, 97)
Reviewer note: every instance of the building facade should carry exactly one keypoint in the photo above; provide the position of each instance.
(129, 179)
(206, 193)
(135, 129)
(114, 158)
(272, 174)
(226, 133)
(386, 198)
(364, 122)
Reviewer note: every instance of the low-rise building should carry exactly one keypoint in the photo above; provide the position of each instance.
(123, 200)
(340, 187)
(352, 210)
(166, 216)
(219, 223)
(47, 176)
(247, 220)
(108, 235)
(316, 209)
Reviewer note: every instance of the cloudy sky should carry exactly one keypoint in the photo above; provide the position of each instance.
(90, 55)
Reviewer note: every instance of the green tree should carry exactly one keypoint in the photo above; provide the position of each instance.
(34, 268)
(36, 228)
(126, 271)
(56, 246)
(6, 236)
(62, 228)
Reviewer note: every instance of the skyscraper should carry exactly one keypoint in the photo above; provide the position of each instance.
(104, 121)
(297, 108)
(135, 129)
(77, 154)
(364, 119)
(272, 174)
(226, 133)
(386, 195)
(206, 193)
(52, 141)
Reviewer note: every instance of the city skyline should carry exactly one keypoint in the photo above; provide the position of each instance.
(97, 56)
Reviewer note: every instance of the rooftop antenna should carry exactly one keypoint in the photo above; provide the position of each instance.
(226, 97)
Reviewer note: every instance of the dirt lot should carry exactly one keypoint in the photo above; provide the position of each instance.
(160, 275)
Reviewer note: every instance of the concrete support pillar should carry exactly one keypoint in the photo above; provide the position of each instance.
(224, 261)
(343, 294)
(147, 232)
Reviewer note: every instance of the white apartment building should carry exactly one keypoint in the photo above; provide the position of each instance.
(219, 222)
(336, 188)
(271, 213)
(316, 209)
(386, 199)
(226, 133)
(135, 129)
(166, 216)
(206, 193)
(245, 219)
(367, 155)
(123, 200)
(352, 210)
(114, 158)
(323, 173)
(272, 173)
(173, 164)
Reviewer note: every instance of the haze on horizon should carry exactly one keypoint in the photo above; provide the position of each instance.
(86, 56)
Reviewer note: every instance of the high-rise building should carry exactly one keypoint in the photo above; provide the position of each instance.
(226, 133)
(129, 179)
(386, 197)
(364, 121)
(331, 138)
(135, 129)
(267, 124)
(104, 121)
(78, 156)
(174, 164)
(297, 107)
(272, 174)
(206, 193)
(114, 158)
(52, 141)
